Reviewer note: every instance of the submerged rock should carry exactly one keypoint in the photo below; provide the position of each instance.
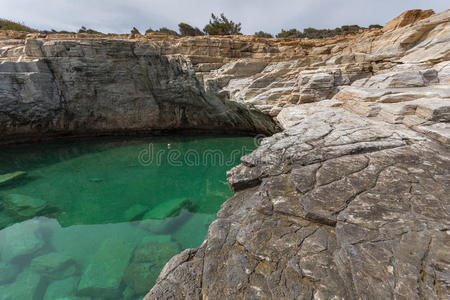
(28, 285)
(24, 206)
(148, 260)
(8, 272)
(21, 241)
(135, 212)
(167, 225)
(8, 178)
(54, 265)
(62, 289)
(169, 209)
(103, 276)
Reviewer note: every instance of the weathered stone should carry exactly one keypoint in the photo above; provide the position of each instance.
(23, 206)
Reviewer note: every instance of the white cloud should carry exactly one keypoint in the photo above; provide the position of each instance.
(268, 15)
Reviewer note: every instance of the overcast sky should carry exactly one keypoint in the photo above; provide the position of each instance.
(268, 15)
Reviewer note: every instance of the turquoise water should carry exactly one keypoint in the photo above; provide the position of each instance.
(98, 219)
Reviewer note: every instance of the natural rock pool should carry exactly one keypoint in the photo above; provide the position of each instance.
(98, 219)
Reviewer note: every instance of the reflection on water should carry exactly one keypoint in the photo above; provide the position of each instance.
(91, 221)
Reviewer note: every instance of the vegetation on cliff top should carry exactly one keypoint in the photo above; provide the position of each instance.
(218, 25)
(10, 25)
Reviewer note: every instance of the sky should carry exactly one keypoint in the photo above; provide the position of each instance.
(120, 16)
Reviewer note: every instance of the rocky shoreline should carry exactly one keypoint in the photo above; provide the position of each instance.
(349, 201)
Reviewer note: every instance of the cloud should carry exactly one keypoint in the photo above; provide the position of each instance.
(267, 15)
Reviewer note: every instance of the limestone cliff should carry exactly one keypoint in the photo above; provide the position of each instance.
(349, 201)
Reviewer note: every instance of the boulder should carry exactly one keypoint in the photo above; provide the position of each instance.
(103, 276)
(62, 289)
(54, 265)
(28, 285)
(24, 206)
(8, 272)
(21, 241)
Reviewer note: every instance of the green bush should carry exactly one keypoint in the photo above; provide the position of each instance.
(291, 33)
(168, 31)
(188, 30)
(263, 34)
(375, 26)
(222, 26)
(10, 25)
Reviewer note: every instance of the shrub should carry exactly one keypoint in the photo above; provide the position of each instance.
(375, 26)
(222, 26)
(263, 34)
(135, 31)
(90, 31)
(10, 25)
(168, 31)
(291, 33)
(188, 30)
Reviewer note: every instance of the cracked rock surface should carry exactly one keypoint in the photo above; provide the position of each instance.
(337, 206)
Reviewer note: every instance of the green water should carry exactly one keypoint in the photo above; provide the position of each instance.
(98, 219)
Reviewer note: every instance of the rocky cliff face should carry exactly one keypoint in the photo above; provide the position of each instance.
(349, 201)
(85, 87)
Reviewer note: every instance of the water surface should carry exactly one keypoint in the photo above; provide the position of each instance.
(98, 219)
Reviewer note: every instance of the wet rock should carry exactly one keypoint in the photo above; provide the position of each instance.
(54, 265)
(192, 233)
(21, 241)
(24, 206)
(8, 178)
(148, 260)
(28, 285)
(8, 272)
(103, 276)
(167, 225)
(135, 212)
(62, 289)
(169, 208)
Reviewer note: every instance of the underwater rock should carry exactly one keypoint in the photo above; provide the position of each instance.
(166, 225)
(102, 277)
(169, 208)
(28, 285)
(191, 234)
(148, 260)
(54, 265)
(8, 272)
(135, 212)
(140, 277)
(20, 240)
(7, 178)
(62, 289)
(155, 252)
(25, 206)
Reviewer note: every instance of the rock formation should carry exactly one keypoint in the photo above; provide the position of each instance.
(349, 201)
